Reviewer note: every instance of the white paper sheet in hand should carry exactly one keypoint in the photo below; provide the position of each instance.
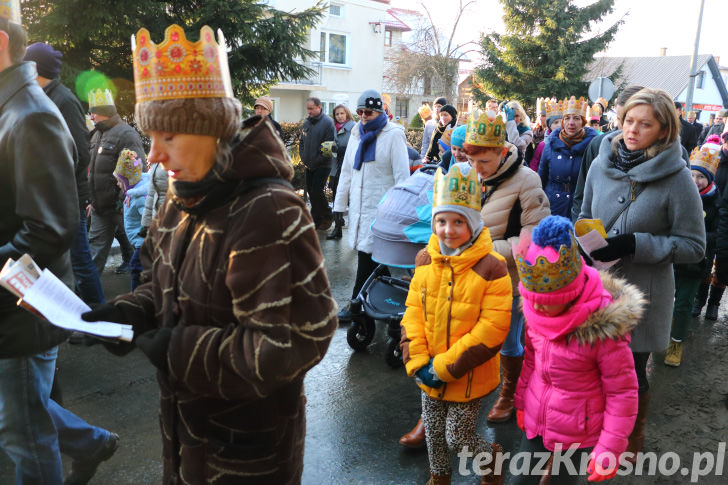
(63, 308)
(591, 241)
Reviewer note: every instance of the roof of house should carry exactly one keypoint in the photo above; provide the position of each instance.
(394, 22)
(670, 73)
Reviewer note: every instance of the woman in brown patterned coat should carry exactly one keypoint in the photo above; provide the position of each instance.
(235, 305)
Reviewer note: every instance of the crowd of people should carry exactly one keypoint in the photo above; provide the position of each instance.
(502, 297)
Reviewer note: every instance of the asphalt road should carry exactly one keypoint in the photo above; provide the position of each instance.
(358, 407)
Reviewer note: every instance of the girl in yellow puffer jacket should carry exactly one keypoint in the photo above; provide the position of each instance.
(457, 317)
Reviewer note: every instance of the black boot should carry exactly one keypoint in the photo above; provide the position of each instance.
(338, 223)
(700, 299)
(716, 293)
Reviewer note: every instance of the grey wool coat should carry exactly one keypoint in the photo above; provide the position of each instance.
(666, 218)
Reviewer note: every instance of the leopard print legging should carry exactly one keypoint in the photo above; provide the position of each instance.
(450, 426)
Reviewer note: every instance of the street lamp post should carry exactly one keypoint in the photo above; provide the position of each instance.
(694, 62)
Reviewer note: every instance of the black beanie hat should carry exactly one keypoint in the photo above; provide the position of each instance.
(450, 109)
(46, 58)
(441, 101)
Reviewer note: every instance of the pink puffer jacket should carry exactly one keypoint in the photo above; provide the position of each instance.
(581, 387)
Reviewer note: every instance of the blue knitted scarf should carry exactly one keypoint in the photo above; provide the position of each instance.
(368, 140)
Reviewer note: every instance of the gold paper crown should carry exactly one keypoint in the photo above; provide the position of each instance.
(10, 9)
(545, 277)
(540, 106)
(177, 68)
(454, 188)
(573, 106)
(554, 107)
(424, 111)
(705, 158)
(100, 98)
(447, 135)
(603, 103)
(486, 130)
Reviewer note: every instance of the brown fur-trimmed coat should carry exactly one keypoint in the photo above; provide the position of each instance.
(242, 284)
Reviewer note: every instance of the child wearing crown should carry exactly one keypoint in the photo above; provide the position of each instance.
(457, 317)
(688, 277)
(578, 387)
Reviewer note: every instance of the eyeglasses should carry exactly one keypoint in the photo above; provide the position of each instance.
(367, 112)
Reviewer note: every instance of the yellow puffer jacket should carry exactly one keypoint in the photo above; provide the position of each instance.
(459, 312)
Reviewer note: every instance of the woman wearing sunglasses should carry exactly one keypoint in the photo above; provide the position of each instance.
(376, 159)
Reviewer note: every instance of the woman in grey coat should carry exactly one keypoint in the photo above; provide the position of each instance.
(641, 189)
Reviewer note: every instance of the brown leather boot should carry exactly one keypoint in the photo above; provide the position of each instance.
(637, 437)
(416, 437)
(438, 480)
(491, 478)
(503, 407)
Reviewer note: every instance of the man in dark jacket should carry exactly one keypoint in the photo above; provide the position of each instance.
(39, 208)
(48, 63)
(109, 138)
(716, 128)
(317, 129)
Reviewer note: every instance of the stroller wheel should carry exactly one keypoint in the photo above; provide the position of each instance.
(393, 357)
(361, 333)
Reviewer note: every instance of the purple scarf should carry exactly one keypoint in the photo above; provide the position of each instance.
(368, 143)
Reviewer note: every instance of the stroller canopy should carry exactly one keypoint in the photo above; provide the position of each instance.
(402, 225)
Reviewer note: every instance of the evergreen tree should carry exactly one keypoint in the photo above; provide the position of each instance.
(545, 52)
(265, 45)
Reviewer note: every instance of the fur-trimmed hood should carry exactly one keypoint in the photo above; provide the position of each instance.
(616, 319)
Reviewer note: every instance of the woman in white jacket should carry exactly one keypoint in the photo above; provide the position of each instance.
(376, 159)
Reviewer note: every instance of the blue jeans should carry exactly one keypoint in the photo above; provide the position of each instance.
(513, 347)
(27, 432)
(76, 438)
(88, 283)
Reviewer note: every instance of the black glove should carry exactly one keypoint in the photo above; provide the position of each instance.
(106, 312)
(154, 344)
(143, 231)
(617, 247)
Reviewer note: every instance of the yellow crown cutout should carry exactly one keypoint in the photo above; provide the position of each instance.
(546, 277)
(486, 130)
(540, 105)
(603, 103)
(10, 9)
(447, 135)
(424, 111)
(177, 68)
(705, 158)
(100, 98)
(454, 188)
(573, 106)
(554, 107)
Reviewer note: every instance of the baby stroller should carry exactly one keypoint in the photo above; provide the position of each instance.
(401, 228)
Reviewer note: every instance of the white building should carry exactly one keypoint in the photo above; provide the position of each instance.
(670, 73)
(350, 43)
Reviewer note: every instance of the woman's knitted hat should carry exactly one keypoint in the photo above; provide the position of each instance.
(218, 117)
(549, 264)
(370, 99)
(442, 101)
(452, 111)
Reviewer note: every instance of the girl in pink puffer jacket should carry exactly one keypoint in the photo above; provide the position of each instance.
(578, 387)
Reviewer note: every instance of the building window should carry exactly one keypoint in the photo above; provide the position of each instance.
(336, 10)
(699, 80)
(402, 108)
(388, 38)
(328, 107)
(333, 48)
